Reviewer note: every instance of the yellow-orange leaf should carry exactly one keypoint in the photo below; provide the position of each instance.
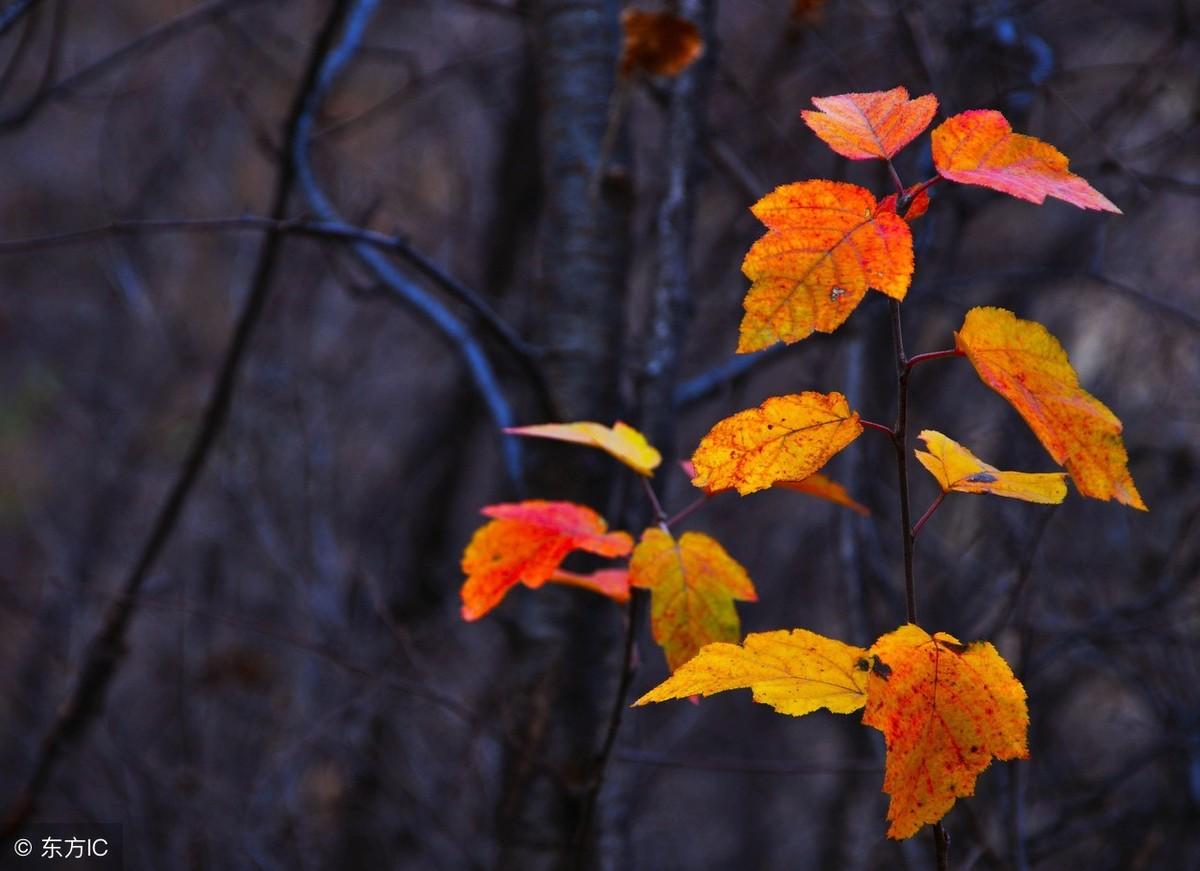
(826, 244)
(794, 672)
(956, 468)
(1026, 365)
(979, 147)
(876, 124)
(787, 438)
(524, 543)
(613, 583)
(946, 710)
(620, 440)
(824, 487)
(692, 584)
(658, 42)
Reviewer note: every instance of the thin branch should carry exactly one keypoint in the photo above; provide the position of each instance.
(688, 511)
(707, 383)
(108, 647)
(900, 441)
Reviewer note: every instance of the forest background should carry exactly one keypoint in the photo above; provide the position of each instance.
(247, 455)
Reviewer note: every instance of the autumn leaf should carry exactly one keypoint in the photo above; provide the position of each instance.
(945, 710)
(787, 438)
(692, 584)
(620, 440)
(658, 43)
(613, 583)
(979, 147)
(826, 245)
(876, 124)
(524, 543)
(956, 468)
(826, 488)
(1026, 365)
(794, 672)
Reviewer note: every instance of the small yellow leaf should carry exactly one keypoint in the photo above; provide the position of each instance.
(787, 438)
(956, 468)
(621, 441)
(826, 488)
(613, 583)
(794, 672)
(693, 583)
(946, 710)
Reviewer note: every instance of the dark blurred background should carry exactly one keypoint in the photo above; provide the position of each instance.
(239, 462)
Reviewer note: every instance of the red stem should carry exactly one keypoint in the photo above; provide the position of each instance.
(933, 355)
(870, 424)
(928, 513)
(689, 510)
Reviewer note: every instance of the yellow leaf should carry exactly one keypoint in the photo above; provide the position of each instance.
(693, 583)
(613, 583)
(621, 441)
(794, 672)
(958, 469)
(826, 245)
(787, 438)
(1026, 365)
(946, 710)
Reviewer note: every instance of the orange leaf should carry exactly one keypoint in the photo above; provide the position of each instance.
(613, 583)
(524, 543)
(658, 42)
(946, 710)
(956, 468)
(794, 672)
(826, 244)
(787, 438)
(825, 488)
(693, 583)
(979, 147)
(916, 208)
(621, 441)
(876, 124)
(1026, 365)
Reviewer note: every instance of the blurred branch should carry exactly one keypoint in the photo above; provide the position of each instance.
(177, 26)
(746, 766)
(58, 31)
(322, 230)
(108, 647)
(430, 309)
(13, 13)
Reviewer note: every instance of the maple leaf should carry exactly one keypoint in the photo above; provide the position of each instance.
(693, 583)
(658, 43)
(826, 244)
(979, 147)
(794, 672)
(876, 124)
(945, 710)
(956, 468)
(826, 488)
(613, 583)
(1026, 365)
(620, 440)
(524, 543)
(787, 438)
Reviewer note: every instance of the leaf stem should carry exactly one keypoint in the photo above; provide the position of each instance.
(696, 505)
(660, 516)
(906, 197)
(870, 424)
(917, 360)
(895, 179)
(916, 530)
